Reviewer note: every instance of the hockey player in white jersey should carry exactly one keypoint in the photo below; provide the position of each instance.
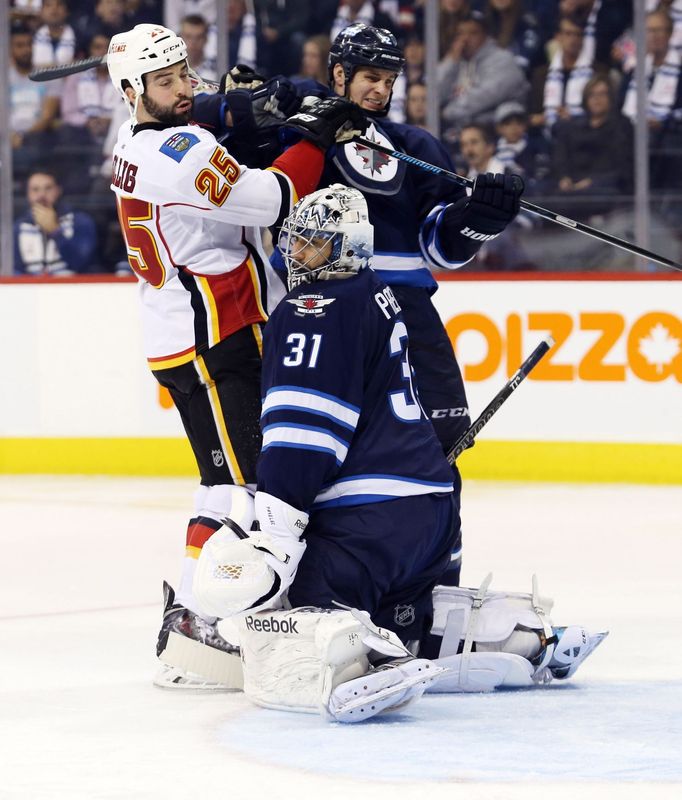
(355, 510)
(191, 217)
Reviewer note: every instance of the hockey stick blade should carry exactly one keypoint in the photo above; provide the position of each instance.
(539, 211)
(63, 70)
(467, 438)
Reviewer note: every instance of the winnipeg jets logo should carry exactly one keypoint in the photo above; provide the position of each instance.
(368, 170)
(372, 160)
(314, 304)
(370, 163)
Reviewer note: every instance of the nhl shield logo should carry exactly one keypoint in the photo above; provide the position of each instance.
(218, 457)
(404, 615)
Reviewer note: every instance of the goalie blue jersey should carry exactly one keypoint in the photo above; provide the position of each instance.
(341, 422)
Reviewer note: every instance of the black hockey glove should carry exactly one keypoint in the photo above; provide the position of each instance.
(240, 77)
(494, 202)
(267, 106)
(469, 222)
(329, 120)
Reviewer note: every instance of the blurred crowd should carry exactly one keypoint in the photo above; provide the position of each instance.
(541, 88)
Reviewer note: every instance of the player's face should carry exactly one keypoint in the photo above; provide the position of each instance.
(371, 88)
(311, 253)
(168, 96)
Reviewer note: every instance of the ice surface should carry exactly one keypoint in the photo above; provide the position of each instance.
(80, 596)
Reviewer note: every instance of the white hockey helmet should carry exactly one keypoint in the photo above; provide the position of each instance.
(143, 49)
(337, 214)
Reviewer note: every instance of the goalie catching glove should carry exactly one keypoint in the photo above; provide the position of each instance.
(327, 121)
(239, 571)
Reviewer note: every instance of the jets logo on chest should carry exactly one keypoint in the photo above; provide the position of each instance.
(314, 304)
(367, 169)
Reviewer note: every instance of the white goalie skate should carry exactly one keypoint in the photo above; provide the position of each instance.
(574, 644)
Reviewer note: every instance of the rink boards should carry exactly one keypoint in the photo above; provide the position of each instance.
(604, 405)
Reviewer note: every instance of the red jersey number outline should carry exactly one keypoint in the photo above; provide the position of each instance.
(143, 252)
(208, 183)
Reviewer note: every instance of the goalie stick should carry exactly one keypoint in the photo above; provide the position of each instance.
(467, 438)
(539, 211)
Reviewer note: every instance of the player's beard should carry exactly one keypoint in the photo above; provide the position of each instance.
(167, 114)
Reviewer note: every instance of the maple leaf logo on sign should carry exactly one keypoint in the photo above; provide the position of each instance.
(659, 347)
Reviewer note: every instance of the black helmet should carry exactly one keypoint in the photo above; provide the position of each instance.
(361, 45)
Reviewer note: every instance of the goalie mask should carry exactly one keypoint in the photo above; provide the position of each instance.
(361, 45)
(143, 49)
(327, 235)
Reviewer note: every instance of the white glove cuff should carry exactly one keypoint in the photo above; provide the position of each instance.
(278, 518)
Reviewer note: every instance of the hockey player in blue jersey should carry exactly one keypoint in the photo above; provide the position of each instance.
(355, 511)
(421, 221)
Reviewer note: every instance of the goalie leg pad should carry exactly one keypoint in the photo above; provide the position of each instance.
(315, 660)
(499, 639)
(292, 660)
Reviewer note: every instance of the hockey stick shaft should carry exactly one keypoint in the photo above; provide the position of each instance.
(63, 70)
(539, 211)
(467, 438)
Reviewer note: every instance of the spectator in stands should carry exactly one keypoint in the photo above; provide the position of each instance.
(282, 25)
(194, 31)
(55, 41)
(144, 11)
(34, 107)
(592, 153)
(175, 10)
(522, 151)
(416, 105)
(350, 11)
(476, 76)
(505, 252)
(51, 238)
(321, 17)
(244, 45)
(602, 20)
(558, 88)
(108, 19)
(415, 67)
(515, 29)
(87, 104)
(663, 63)
(314, 59)
(452, 12)
(477, 147)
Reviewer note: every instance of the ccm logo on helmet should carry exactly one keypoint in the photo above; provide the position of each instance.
(172, 47)
(271, 625)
